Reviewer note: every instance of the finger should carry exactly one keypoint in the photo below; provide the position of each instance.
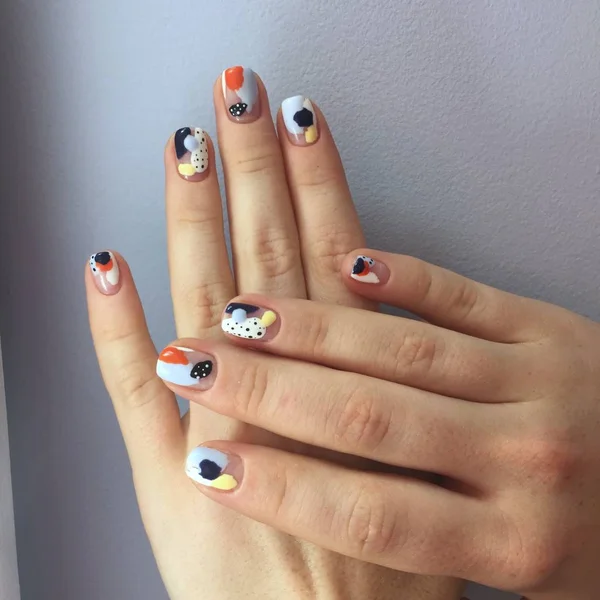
(396, 522)
(442, 297)
(264, 238)
(147, 412)
(325, 214)
(343, 412)
(201, 279)
(386, 347)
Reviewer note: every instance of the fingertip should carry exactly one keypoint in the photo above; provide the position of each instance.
(365, 266)
(106, 271)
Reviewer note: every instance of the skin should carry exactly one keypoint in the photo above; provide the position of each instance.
(292, 222)
(497, 394)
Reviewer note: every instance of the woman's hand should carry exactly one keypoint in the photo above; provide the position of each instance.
(291, 221)
(497, 394)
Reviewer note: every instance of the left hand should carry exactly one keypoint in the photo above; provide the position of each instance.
(497, 394)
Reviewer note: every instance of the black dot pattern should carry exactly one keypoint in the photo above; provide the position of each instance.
(209, 470)
(250, 329)
(202, 369)
(304, 118)
(237, 110)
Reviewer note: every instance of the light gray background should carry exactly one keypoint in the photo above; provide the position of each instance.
(469, 130)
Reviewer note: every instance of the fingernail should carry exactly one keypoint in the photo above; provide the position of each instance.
(368, 270)
(105, 269)
(187, 367)
(191, 148)
(240, 92)
(300, 121)
(214, 468)
(249, 322)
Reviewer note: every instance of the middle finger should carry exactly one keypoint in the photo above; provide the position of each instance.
(264, 237)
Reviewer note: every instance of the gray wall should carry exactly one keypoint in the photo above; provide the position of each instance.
(469, 130)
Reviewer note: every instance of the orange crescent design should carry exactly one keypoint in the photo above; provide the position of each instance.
(173, 356)
(105, 268)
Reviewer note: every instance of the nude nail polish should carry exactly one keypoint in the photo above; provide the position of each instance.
(105, 269)
(240, 94)
(300, 121)
(368, 270)
(249, 322)
(186, 367)
(214, 468)
(191, 149)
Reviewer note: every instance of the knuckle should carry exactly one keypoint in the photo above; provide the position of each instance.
(276, 253)
(530, 556)
(372, 528)
(331, 245)
(200, 217)
(320, 178)
(311, 335)
(550, 461)
(257, 159)
(279, 496)
(203, 304)
(462, 299)
(361, 422)
(134, 384)
(250, 390)
(412, 351)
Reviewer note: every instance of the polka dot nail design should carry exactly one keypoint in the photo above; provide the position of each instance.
(105, 270)
(191, 149)
(300, 121)
(367, 270)
(214, 468)
(240, 93)
(187, 367)
(248, 321)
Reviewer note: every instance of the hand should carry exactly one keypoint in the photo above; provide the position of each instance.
(497, 394)
(289, 206)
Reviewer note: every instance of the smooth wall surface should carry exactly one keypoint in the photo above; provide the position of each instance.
(469, 130)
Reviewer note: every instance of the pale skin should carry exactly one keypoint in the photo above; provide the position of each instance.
(492, 401)
(288, 207)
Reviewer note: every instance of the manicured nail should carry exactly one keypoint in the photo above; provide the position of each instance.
(187, 367)
(249, 322)
(240, 91)
(191, 148)
(300, 121)
(367, 270)
(105, 269)
(214, 468)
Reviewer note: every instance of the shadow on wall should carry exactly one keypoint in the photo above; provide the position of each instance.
(64, 472)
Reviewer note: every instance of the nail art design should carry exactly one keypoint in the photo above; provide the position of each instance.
(187, 367)
(191, 148)
(247, 321)
(213, 468)
(240, 91)
(105, 269)
(366, 270)
(300, 120)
